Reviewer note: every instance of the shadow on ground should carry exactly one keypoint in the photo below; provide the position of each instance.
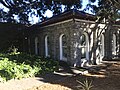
(106, 77)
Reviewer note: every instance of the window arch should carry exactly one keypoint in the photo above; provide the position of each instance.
(114, 44)
(102, 50)
(85, 46)
(47, 46)
(36, 46)
(63, 47)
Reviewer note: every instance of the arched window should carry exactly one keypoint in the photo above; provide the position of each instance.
(85, 46)
(63, 47)
(114, 44)
(47, 46)
(36, 46)
(102, 50)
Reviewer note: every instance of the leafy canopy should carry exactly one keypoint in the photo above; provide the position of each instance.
(24, 9)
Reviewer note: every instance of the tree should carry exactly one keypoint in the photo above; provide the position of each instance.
(107, 11)
(2, 13)
(17, 7)
(26, 8)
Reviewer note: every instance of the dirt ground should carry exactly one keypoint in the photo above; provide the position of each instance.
(105, 77)
(107, 83)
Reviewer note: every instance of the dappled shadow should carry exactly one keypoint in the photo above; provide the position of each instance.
(63, 80)
(64, 76)
(108, 82)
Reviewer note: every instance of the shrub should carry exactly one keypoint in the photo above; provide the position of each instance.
(44, 64)
(11, 70)
(21, 65)
(85, 85)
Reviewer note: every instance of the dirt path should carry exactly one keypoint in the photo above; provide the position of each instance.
(103, 77)
(21, 84)
(106, 77)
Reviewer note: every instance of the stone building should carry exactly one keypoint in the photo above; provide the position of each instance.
(72, 37)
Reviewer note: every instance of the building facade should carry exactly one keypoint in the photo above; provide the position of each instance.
(74, 37)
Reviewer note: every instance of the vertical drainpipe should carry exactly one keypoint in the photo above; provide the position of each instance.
(23, 38)
(29, 45)
(119, 44)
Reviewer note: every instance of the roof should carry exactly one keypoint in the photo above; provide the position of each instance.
(71, 14)
(9, 26)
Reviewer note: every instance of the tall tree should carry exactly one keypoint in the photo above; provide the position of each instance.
(26, 8)
(107, 11)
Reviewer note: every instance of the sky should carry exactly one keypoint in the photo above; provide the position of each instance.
(85, 2)
(49, 14)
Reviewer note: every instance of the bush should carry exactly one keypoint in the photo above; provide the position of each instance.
(21, 65)
(11, 70)
(85, 85)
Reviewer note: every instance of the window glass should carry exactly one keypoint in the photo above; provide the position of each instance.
(36, 46)
(114, 44)
(83, 46)
(101, 45)
(48, 42)
(64, 46)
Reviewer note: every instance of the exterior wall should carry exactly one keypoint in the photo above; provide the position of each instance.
(115, 31)
(54, 32)
(85, 27)
(101, 29)
(80, 28)
(73, 30)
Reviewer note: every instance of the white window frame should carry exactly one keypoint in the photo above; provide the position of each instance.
(86, 46)
(36, 45)
(102, 46)
(46, 46)
(61, 48)
(114, 44)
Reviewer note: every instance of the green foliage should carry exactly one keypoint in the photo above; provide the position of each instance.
(25, 9)
(85, 85)
(21, 65)
(11, 70)
(45, 64)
